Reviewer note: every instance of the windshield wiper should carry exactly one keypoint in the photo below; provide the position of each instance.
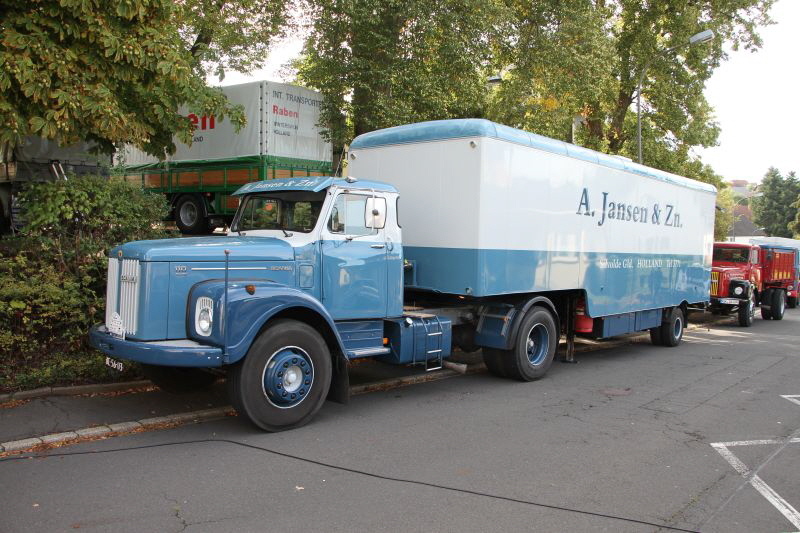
(286, 233)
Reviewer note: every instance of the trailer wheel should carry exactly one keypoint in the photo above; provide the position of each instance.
(778, 304)
(748, 312)
(672, 329)
(284, 378)
(190, 215)
(493, 359)
(791, 302)
(534, 347)
(655, 336)
(178, 380)
(766, 304)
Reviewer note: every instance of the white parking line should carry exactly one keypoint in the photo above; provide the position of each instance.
(784, 507)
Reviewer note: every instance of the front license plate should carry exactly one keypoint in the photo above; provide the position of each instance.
(729, 301)
(116, 365)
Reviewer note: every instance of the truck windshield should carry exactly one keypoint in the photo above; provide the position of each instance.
(287, 211)
(732, 255)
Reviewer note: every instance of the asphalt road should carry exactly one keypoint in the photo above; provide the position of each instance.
(620, 442)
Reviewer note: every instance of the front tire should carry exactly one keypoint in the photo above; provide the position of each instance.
(748, 312)
(778, 304)
(534, 348)
(284, 378)
(791, 302)
(672, 329)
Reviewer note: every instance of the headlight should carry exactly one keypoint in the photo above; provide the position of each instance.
(738, 290)
(204, 316)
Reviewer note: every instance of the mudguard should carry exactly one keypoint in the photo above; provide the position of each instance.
(250, 304)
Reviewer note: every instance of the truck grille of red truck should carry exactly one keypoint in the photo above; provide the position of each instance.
(122, 292)
(714, 283)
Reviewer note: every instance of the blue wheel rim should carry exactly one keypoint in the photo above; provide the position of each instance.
(678, 327)
(288, 377)
(537, 344)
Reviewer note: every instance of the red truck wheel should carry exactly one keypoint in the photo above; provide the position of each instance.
(748, 312)
(791, 302)
(778, 304)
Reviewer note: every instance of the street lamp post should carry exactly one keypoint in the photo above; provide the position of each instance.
(701, 37)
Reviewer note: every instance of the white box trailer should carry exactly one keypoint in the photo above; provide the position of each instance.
(490, 210)
(282, 121)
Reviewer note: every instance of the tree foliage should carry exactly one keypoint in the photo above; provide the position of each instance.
(584, 58)
(52, 278)
(232, 34)
(383, 63)
(119, 72)
(775, 207)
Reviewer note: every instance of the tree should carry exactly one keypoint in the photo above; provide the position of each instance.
(776, 206)
(584, 58)
(232, 34)
(118, 72)
(383, 63)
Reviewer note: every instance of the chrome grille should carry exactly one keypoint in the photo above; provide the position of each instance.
(122, 292)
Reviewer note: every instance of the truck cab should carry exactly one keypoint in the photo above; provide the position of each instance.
(306, 280)
(735, 280)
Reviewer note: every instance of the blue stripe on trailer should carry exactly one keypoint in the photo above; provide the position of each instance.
(614, 282)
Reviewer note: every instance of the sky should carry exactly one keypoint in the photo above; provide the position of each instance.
(756, 97)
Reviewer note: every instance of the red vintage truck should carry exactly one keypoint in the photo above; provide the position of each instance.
(744, 276)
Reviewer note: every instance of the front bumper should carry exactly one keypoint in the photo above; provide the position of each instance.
(182, 352)
(728, 301)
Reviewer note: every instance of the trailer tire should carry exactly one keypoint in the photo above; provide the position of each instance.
(284, 378)
(655, 336)
(791, 302)
(778, 304)
(766, 304)
(178, 380)
(748, 312)
(190, 215)
(672, 329)
(534, 348)
(493, 359)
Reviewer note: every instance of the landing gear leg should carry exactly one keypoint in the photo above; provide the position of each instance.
(569, 356)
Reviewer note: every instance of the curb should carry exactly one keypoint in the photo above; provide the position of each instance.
(73, 390)
(113, 429)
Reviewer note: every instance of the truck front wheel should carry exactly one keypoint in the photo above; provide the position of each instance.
(748, 311)
(284, 378)
(791, 302)
(672, 329)
(778, 304)
(534, 347)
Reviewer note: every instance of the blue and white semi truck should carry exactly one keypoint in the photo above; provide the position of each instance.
(509, 240)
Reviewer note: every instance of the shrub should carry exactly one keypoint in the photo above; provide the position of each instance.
(52, 277)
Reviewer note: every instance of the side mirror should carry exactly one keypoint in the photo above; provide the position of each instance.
(375, 213)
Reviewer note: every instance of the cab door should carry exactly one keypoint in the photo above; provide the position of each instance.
(354, 256)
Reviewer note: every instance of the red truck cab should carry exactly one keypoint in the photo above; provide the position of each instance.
(736, 280)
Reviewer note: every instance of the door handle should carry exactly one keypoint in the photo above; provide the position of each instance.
(377, 245)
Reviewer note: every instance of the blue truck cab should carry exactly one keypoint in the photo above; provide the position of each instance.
(309, 277)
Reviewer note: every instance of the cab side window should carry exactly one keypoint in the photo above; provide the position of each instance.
(347, 217)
